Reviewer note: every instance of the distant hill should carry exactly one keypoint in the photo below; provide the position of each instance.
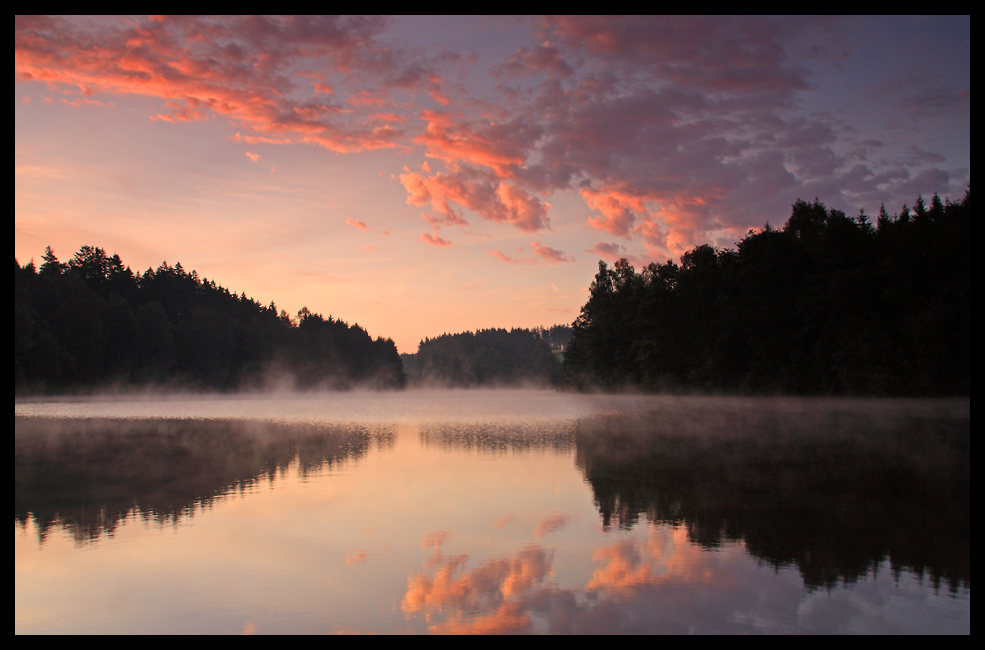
(492, 357)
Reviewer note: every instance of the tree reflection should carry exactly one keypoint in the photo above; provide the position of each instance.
(496, 438)
(833, 492)
(89, 475)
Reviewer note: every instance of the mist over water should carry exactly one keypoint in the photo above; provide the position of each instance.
(351, 406)
(492, 511)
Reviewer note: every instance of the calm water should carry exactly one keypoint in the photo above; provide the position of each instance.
(493, 511)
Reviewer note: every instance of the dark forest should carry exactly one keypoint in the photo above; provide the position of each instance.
(492, 357)
(93, 324)
(825, 305)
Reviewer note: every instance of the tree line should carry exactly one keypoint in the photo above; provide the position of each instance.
(92, 323)
(556, 336)
(491, 357)
(827, 304)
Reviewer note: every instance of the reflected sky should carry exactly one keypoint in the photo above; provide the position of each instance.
(475, 523)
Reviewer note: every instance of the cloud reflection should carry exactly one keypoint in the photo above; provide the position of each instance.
(551, 524)
(666, 556)
(488, 599)
(518, 593)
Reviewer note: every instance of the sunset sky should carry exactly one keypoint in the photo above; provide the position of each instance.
(421, 175)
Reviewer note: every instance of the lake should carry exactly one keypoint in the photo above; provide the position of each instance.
(492, 512)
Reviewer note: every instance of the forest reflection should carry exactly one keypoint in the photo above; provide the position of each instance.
(834, 493)
(88, 475)
(491, 438)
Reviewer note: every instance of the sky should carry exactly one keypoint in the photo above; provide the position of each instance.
(430, 175)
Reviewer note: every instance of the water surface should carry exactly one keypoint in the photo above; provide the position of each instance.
(492, 511)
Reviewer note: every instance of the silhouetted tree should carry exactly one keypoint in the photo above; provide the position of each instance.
(93, 322)
(826, 305)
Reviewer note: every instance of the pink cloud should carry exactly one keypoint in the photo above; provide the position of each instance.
(608, 250)
(369, 98)
(674, 130)
(618, 210)
(499, 255)
(440, 97)
(180, 113)
(314, 112)
(716, 52)
(498, 146)
(550, 254)
(494, 202)
(417, 189)
(667, 220)
(545, 57)
(197, 64)
(434, 240)
(253, 156)
(524, 211)
(612, 252)
(453, 220)
(357, 224)
(388, 117)
(249, 139)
